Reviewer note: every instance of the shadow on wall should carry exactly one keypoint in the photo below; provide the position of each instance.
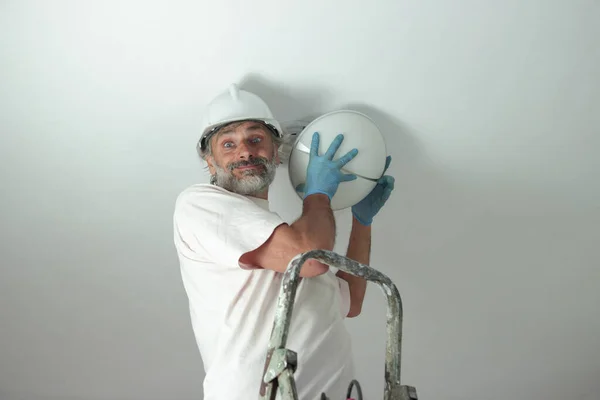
(286, 102)
(306, 103)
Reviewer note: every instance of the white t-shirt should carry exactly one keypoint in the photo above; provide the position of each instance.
(232, 308)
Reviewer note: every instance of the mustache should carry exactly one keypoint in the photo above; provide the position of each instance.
(253, 161)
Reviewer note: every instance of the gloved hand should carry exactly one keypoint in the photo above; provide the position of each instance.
(367, 208)
(323, 174)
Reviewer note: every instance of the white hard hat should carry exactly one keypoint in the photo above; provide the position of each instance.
(235, 105)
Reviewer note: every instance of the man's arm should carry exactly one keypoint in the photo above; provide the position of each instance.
(359, 249)
(315, 229)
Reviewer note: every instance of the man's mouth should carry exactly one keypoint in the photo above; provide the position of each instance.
(250, 166)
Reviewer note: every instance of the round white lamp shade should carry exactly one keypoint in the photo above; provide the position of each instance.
(359, 132)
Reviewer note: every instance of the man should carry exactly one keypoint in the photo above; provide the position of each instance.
(233, 250)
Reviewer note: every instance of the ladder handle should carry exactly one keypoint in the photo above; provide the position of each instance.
(285, 306)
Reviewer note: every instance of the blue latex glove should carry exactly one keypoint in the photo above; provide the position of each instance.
(323, 174)
(367, 208)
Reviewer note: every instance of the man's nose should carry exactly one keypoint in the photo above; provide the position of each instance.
(245, 151)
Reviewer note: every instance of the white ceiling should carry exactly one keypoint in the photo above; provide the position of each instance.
(490, 111)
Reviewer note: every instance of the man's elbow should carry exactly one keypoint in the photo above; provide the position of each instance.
(312, 268)
(354, 311)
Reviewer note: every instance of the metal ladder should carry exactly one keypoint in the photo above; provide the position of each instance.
(281, 363)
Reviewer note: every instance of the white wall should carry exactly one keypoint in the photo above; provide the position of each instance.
(491, 113)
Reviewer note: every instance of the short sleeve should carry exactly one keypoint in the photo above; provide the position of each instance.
(215, 225)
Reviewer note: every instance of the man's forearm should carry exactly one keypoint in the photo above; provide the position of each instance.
(317, 223)
(316, 229)
(359, 249)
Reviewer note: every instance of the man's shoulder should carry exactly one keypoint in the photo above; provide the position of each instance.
(202, 190)
(209, 195)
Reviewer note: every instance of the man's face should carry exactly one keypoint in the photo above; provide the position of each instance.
(244, 158)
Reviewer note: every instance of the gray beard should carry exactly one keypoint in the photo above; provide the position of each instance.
(251, 183)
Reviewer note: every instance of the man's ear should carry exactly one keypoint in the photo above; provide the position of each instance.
(211, 164)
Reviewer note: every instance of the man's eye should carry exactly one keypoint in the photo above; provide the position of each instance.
(227, 144)
(256, 139)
